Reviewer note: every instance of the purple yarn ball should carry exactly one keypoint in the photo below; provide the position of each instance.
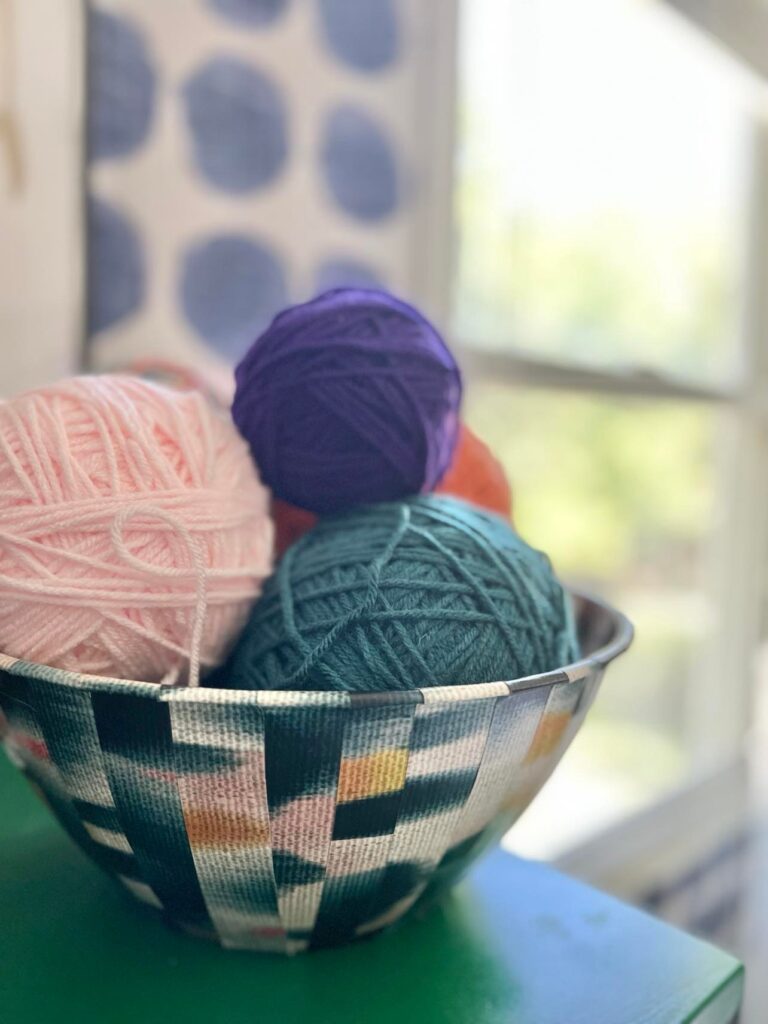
(349, 399)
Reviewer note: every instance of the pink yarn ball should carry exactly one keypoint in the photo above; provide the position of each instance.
(134, 530)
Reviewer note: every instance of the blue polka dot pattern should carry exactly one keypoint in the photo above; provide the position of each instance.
(230, 287)
(359, 164)
(345, 274)
(237, 123)
(252, 13)
(121, 87)
(362, 34)
(115, 271)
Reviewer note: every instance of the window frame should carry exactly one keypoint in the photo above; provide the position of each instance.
(739, 555)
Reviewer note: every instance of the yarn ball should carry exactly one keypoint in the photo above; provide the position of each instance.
(426, 592)
(349, 399)
(477, 476)
(474, 474)
(291, 523)
(134, 531)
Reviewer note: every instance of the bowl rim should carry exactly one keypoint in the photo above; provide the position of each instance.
(621, 638)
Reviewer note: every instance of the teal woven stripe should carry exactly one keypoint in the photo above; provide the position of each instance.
(302, 758)
(372, 781)
(138, 755)
(68, 726)
(227, 820)
(438, 783)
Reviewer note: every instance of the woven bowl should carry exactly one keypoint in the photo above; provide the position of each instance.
(286, 821)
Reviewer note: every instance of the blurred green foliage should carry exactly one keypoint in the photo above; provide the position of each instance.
(612, 286)
(625, 495)
(614, 490)
(621, 496)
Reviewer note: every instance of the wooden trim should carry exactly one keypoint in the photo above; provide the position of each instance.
(662, 841)
(433, 235)
(740, 27)
(516, 366)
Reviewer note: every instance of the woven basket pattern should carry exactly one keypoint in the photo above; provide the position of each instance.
(287, 821)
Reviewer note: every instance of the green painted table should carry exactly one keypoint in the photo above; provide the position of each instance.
(516, 943)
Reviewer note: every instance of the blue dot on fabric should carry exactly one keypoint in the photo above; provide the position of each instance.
(252, 13)
(115, 267)
(359, 164)
(345, 274)
(362, 34)
(237, 122)
(121, 86)
(230, 287)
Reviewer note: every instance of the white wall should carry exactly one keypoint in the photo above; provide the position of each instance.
(40, 236)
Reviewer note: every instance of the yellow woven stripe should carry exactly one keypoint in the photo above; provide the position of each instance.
(548, 735)
(372, 775)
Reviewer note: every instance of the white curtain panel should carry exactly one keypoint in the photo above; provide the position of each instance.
(244, 154)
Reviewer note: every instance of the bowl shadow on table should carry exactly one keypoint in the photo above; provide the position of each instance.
(70, 935)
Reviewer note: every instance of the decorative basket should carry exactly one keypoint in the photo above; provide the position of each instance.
(286, 821)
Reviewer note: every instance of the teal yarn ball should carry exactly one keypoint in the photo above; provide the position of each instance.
(425, 592)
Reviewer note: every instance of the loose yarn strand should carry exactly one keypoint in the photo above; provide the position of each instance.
(198, 561)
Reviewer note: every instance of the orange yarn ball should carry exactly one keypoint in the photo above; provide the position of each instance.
(291, 522)
(475, 475)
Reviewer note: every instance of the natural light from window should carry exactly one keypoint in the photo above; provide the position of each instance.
(599, 204)
(600, 173)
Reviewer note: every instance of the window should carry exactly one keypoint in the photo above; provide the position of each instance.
(603, 159)
(600, 186)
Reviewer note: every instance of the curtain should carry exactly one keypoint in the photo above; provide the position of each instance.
(244, 154)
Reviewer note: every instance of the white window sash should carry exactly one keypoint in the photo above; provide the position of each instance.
(721, 697)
